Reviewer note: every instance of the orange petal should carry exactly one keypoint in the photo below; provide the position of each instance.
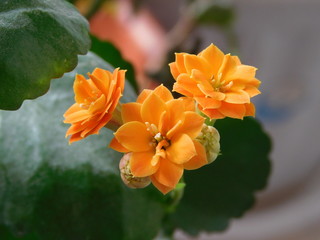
(180, 89)
(250, 109)
(131, 112)
(77, 116)
(103, 86)
(163, 93)
(75, 137)
(120, 78)
(252, 91)
(74, 108)
(103, 75)
(152, 108)
(227, 67)
(212, 113)
(241, 72)
(199, 160)
(195, 62)
(162, 188)
(174, 70)
(75, 128)
(115, 145)
(237, 97)
(214, 56)
(208, 103)
(143, 95)
(181, 149)
(82, 89)
(168, 173)
(192, 125)
(189, 104)
(140, 164)
(98, 106)
(233, 110)
(188, 84)
(180, 64)
(207, 91)
(134, 136)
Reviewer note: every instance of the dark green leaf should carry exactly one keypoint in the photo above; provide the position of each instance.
(58, 191)
(225, 189)
(40, 40)
(112, 55)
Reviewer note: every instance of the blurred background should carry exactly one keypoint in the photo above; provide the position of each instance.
(282, 39)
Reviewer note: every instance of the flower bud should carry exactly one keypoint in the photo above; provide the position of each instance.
(210, 139)
(127, 177)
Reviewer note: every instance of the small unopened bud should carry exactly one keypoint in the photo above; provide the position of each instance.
(210, 139)
(127, 177)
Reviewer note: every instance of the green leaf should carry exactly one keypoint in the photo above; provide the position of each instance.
(112, 55)
(53, 190)
(218, 14)
(40, 40)
(225, 189)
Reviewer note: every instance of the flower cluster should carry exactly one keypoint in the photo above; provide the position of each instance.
(159, 135)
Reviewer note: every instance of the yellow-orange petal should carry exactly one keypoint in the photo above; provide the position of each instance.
(181, 149)
(207, 102)
(134, 136)
(115, 145)
(143, 95)
(237, 97)
(196, 62)
(163, 93)
(199, 160)
(192, 125)
(131, 112)
(214, 56)
(162, 188)
(141, 164)
(152, 108)
(168, 173)
(233, 110)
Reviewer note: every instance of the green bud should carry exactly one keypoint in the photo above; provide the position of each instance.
(210, 139)
(127, 177)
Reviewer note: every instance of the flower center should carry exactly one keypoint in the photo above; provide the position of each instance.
(159, 142)
(220, 85)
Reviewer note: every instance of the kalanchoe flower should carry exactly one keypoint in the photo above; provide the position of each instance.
(219, 83)
(96, 100)
(126, 174)
(161, 132)
(210, 139)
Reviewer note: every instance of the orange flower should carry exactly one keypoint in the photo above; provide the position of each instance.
(160, 132)
(219, 83)
(96, 100)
